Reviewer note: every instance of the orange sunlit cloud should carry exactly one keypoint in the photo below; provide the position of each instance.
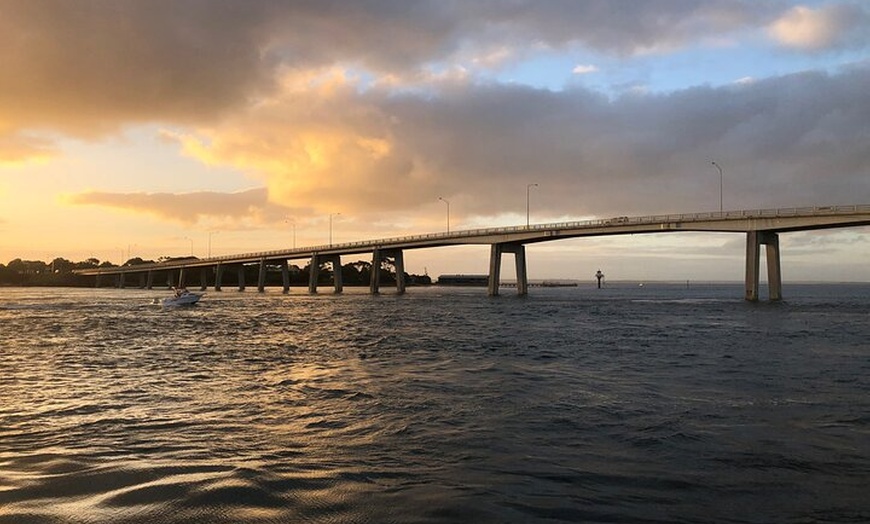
(16, 150)
(814, 29)
(318, 145)
(250, 206)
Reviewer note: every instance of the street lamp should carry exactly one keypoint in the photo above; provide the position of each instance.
(720, 183)
(293, 223)
(330, 227)
(448, 212)
(528, 188)
(210, 233)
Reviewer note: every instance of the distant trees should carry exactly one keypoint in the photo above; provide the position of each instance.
(22, 272)
(137, 261)
(60, 272)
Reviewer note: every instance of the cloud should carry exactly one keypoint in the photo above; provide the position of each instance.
(621, 28)
(372, 109)
(85, 69)
(19, 148)
(584, 69)
(831, 26)
(373, 151)
(232, 210)
(88, 69)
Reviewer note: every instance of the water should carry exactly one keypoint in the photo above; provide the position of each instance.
(627, 404)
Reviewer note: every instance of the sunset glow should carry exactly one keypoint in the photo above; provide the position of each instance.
(136, 128)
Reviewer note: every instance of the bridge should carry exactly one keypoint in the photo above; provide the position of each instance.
(761, 227)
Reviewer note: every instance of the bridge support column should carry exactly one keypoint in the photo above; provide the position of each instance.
(121, 280)
(774, 268)
(378, 257)
(399, 258)
(375, 277)
(494, 269)
(754, 241)
(98, 281)
(261, 277)
(313, 273)
(285, 276)
(519, 252)
(181, 277)
(241, 277)
(218, 276)
(141, 280)
(169, 281)
(203, 279)
(337, 281)
(149, 280)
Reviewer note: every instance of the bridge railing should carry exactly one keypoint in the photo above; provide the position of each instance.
(466, 233)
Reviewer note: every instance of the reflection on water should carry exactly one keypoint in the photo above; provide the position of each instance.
(660, 404)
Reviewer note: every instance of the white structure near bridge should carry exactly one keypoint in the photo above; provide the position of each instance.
(761, 227)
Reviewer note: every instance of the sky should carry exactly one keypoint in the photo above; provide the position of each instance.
(149, 128)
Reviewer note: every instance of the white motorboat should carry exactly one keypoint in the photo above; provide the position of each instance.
(182, 297)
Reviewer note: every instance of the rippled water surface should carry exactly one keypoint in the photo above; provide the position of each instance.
(654, 404)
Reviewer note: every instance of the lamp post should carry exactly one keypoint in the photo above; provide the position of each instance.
(330, 227)
(210, 233)
(528, 188)
(720, 183)
(293, 223)
(448, 212)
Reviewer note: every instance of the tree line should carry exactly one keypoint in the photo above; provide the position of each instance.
(60, 272)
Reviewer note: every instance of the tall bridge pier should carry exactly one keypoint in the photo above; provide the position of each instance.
(754, 241)
(378, 257)
(519, 252)
(218, 276)
(240, 270)
(314, 272)
(261, 276)
(285, 276)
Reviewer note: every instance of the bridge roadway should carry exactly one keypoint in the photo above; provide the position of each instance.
(761, 227)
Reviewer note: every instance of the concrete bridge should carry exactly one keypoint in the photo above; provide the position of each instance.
(761, 227)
